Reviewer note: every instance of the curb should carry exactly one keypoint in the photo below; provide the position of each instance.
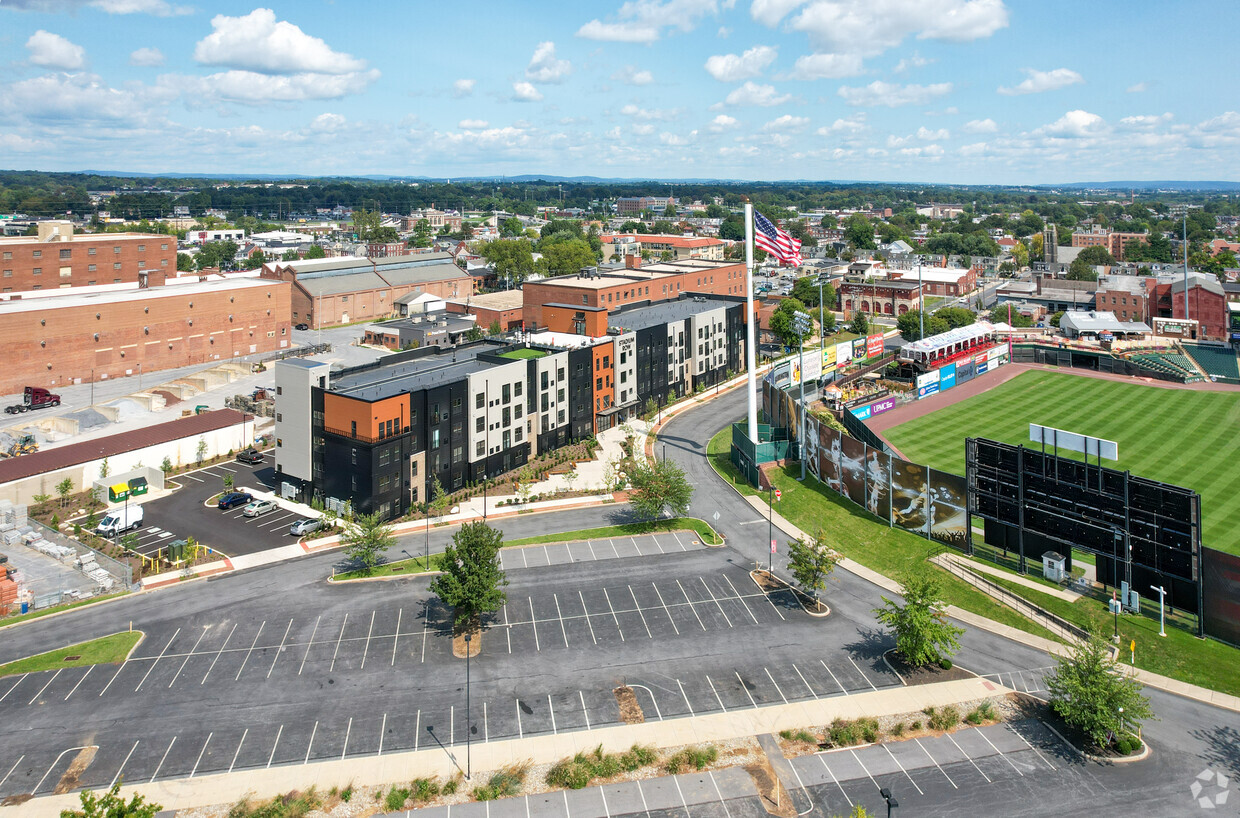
(795, 593)
(897, 673)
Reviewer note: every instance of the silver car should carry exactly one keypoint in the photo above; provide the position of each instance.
(306, 526)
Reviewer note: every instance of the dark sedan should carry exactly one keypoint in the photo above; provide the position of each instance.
(233, 499)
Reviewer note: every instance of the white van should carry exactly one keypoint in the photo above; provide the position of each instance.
(120, 520)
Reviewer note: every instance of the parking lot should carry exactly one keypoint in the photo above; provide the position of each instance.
(184, 513)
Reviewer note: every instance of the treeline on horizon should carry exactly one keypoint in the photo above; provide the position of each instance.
(46, 194)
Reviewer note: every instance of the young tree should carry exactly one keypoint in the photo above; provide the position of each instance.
(1088, 687)
(111, 805)
(366, 540)
(64, 488)
(201, 451)
(495, 328)
(811, 562)
(104, 469)
(859, 324)
(229, 480)
(439, 500)
(166, 466)
(472, 581)
(782, 322)
(316, 251)
(570, 477)
(185, 263)
(923, 634)
(658, 486)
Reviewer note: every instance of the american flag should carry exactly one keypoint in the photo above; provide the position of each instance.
(775, 241)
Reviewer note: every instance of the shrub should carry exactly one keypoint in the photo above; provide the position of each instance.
(944, 719)
(637, 757)
(424, 789)
(916, 725)
(983, 712)
(346, 795)
(869, 729)
(396, 798)
(293, 804)
(945, 663)
(897, 730)
(798, 735)
(502, 784)
(450, 787)
(697, 758)
(569, 773)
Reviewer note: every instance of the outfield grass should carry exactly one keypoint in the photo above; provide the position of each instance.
(105, 650)
(1176, 436)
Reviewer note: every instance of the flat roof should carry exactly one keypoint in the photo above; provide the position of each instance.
(664, 312)
(502, 300)
(73, 298)
(410, 376)
(63, 239)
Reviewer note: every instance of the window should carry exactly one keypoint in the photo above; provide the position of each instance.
(458, 452)
(479, 424)
(543, 380)
(38, 254)
(413, 470)
(141, 248)
(116, 250)
(516, 411)
(584, 300)
(8, 273)
(66, 254)
(506, 391)
(279, 417)
(507, 416)
(90, 268)
(456, 403)
(37, 271)
(545, 403)
(8, 254)
(559, 395)
(116, 265)
(141, 264)
(518, 388)
(559, 416)
(353, 454)
(385, 456)
(90, 251)
(434, 438)
(353, 482)
(279, 443)
(560, 374)
(479, 449)
(606, 362)
(479, 399)
(384, 483)
(546, 422)
(517, 434)
(163, 247)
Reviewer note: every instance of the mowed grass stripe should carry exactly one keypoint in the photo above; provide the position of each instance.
(1177, 436)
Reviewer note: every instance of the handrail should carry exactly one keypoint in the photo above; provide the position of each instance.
(1050, 621)
(365, 438)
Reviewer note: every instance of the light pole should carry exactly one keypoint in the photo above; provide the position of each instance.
(921, 302)
(892, 803)
(468, 748)
(428, 535)
(822, 327)
(770, 525)
(1162, 617)
(486, 389)
(802, 323)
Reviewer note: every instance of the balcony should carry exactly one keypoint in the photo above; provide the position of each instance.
(350, 435)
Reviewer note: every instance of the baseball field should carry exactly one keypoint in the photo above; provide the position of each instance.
(1179, 436)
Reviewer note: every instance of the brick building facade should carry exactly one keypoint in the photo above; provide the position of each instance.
(58, 259)
(74, 337)
(878, 297)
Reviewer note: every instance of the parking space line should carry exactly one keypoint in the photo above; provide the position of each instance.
(716, 692)
(584, 710)
(41, 689)
(777, 690)
(534, 624)
(192, 477)
(742, 599)
(613, 614)
(718, 604)
(200, 754)
(347, 732)
(833, 778)
(369, 631)
(862, 672)
(11, 769)
(560, 616)
(638, 606)
(966, 755)
(189, 655)
(507, 630)
(901, 766)
(586, 611)
(396, 637)
(1030, 746)
(161, 655)
(837, 681)
(678, 542)
(683, 802)
(685, 696)
(217, 655)
(520, 731)
(547, 555)
(524, 562)
(123, 763)
(602, 791)
(382, 730)
(417, 730)
(637, 781)
(79, 682)
(101, 692)
(280, 649)
(803, 680)
(338, 638)
(614, 550)
(935, 763)
(313, 730)
(1000, 752)
(863, 767)
(665, 609)
(551, 710)
(308, 644)
(657, 545)
(251, 650)
(244, 733)
(425, 630)
(774, 607)
(691, 606)
(746, 689)
(162, 759)
(272, 757)
(486, 732)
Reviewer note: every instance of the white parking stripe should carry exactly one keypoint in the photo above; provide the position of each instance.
(637, 605)
(560, 616)
(279, 650)
(901, 766)
(584, 710)
(737, 594)
(718, 604)
(153, 664)
(313, 730)
(863, 767)
(162, 760)
(244, 733)
(665, 609)
(1031, 747)
(337, 650)
(189, 656)
(587, 614)
(691, 607)
(79, 682)
(966, 755)
(308, 644)
(836, 780)
(746, 689)
(716, 692)
(123, 763)
(862, 672)
(803, 680)
(272, 757)
(49, 681)
(366, 649)
(944, 772)
(551, 710)
(613, 614)
(534, 624)
(396, 638)
(1000, 752)
(200, 754)
(777, 690)
(251, 650)
(686, 697)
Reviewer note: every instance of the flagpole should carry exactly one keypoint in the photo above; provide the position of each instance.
(751, 347)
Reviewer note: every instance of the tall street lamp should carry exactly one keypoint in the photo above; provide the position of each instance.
(468, 748)
(770, 524)
(1162, 616)
(802, 323)
(892, 803)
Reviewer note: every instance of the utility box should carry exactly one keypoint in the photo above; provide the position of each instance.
(1053, 566)
(118, 493)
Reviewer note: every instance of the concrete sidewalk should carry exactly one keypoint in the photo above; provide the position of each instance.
(977, 565)
(225, 788)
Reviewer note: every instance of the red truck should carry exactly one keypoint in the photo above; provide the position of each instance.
(34, 398)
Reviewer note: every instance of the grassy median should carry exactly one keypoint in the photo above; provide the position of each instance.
(102, 651)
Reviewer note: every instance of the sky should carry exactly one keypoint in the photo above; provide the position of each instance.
(943, 91)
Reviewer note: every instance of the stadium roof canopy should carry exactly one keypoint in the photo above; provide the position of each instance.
(1078, 322)
(950, 338)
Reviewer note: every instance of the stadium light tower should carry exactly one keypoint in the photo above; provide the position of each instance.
(802, 323)
(921, 301)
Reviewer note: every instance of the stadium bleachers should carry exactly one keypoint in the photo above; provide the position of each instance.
(1218, 361)
(1169, 363)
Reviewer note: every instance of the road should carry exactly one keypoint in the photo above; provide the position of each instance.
(275, 666)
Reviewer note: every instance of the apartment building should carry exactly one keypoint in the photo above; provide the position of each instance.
(58, 258)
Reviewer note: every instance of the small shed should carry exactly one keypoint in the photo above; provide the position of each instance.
(1053, 566)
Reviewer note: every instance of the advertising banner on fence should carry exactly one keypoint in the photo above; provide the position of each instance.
(874, 345)
(927, 384)
(858, 349)
(884, 405)
(947, 377)
(965, 370)
(981, 364)
(813, 369)
(861, 412)
(843, 353)
(828, 359)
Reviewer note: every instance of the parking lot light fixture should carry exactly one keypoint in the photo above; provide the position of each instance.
(892, 803)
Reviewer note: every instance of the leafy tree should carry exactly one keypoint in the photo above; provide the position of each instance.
(829, 221)
(316, 251)
(805, 288)
(201, 451)
(254, 260)
(670, 210)
(1055, 319)
(104, 469)
(732, 228)
(714, 211)
(368, 225)
(439, 499)
(1087, 689)
(185, 263)
(472, 581)
(923, 634)
(1037, 246)
(782, 322)
(658, 486)
(567, 257)
(811, 562)
(166, 466)
(956, 316)
(216, 254)
(1020, 255)
(290, 255)
(111, 805)
(666, 228)
(859, 233)
(63, 489)
(474, 333)
(1097, 255)
(229, 481)
(1156, 249)
(366, 541)
(495, 328)
(1081, 270)
(633, 227)
(511, 227)
(513, 259)
(909, 325)
(422, 233)
(859, 324)
(828, 320)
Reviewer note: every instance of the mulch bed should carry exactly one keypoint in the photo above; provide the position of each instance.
(930, 674)
(630, 708)
(1038, 709)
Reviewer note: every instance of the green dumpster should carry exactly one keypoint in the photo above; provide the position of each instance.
(118, 493)
(137, 486)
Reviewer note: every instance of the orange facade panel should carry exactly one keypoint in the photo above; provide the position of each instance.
(364, 420)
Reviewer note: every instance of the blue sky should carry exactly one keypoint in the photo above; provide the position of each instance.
(965, 91)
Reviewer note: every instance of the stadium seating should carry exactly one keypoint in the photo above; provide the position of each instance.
(1169, 363)
(1218, 361)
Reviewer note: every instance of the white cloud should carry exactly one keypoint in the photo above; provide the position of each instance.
(1147, 120)
(472, 124)
(676, 140)
(463, 87)
(1136, 88)
(642, 21)
(53, 51)
(1037, 82)
(929, 151)
(71, 98)
(159, 8)
(544, 67)
(734, 67)
(722, 123)
(915, 61)
(974, 149)
(1076, 124)
(643, 130)
(980, 126)
(723, 32)
(770, 12)
(927, 135)
(17, 142)
(254, 88)
(851, 126)
(327, 123)
(826, 66)
(787, 122)
(752, 94)
(258, 42)
(525, 92)
(147, 57)
(889, 95)
(630, 75)
(871, 28)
